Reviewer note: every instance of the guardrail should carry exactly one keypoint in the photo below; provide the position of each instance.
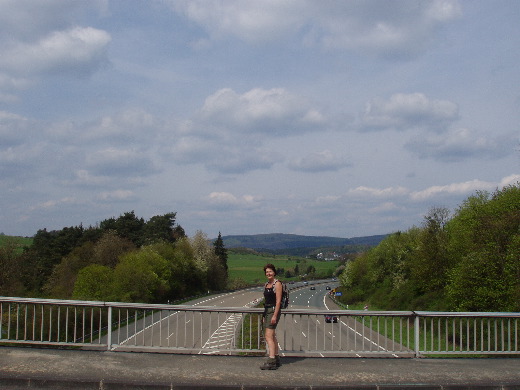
(119, 326)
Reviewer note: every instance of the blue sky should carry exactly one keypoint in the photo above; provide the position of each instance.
(333, 118)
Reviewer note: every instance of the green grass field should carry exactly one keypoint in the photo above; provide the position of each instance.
(249, 266)
(20, 242)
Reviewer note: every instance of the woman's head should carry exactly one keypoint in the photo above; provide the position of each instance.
(271, 267)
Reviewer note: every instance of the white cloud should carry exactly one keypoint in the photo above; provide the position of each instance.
(464, 188)
(460, 189)
(223, 197)
(408, 111)
(255, 21)
(130, 126)
(460, 144)
(79, 50)
(242, 161)
(454, 188)
(228, 199)
(510, 180)
(377, 192)
(273, 112)
(117, 195)
(319, 162)
(53, 203)
(391, 28)
(229, 133)
(236, 156)
(83, 177)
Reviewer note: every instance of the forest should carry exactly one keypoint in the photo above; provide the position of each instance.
(123, 259)
(468, 261)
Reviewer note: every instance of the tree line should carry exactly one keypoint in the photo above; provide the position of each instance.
(123, 259)
(468, 261)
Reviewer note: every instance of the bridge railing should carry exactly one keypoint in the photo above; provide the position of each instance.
(119, 326)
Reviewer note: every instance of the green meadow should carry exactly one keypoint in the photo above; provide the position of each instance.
(19, 242)
(249, 266)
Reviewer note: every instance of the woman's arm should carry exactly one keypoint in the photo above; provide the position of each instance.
(278, 291)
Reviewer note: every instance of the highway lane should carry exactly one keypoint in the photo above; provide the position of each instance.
(314, 336)
(191, 330)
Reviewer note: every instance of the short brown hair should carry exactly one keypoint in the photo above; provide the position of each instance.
(271, 267)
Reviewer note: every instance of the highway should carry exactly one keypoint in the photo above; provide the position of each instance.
(317, 337)
(191, 330)
(310, 334)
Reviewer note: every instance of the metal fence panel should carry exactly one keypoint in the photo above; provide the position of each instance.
(120, 326)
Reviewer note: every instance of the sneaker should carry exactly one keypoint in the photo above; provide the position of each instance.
(278, 361)
(269, 364)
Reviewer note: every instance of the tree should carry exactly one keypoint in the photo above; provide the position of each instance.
(94, 282)
(46, 251)
(484, 243)
(130, 226)
(10, 284)
(208, 262)
(311, 270)
(470, 262)
(142, 276)
(60, 284)
(160, 228)
(221, 251)
(431, 264)
(110, 247)
(185, 279)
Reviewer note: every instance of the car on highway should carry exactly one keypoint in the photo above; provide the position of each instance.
(327, 288)
(313, 288)
(331, 318)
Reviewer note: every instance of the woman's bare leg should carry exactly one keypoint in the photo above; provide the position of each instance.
(272, 342)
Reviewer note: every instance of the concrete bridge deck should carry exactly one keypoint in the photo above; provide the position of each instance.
(38, 368)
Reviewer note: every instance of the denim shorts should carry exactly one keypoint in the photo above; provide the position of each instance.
(268, 314)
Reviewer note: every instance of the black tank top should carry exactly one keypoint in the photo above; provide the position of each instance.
(270, 296)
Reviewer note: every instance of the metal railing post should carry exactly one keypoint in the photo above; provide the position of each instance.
(109, 328)
(416, 335)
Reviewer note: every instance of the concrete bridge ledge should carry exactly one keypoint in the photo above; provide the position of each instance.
(33, 368)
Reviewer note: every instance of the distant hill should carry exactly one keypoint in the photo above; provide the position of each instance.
(294, 244)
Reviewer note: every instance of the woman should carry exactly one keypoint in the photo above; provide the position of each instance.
(272, 312)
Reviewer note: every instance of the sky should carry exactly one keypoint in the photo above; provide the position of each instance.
(341, 118)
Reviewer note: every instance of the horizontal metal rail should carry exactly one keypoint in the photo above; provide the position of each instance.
(120, 326)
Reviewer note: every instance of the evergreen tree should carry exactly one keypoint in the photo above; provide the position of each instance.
(160, 228)
(221, 251)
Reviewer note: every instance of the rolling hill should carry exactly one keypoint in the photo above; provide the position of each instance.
(294, 244)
